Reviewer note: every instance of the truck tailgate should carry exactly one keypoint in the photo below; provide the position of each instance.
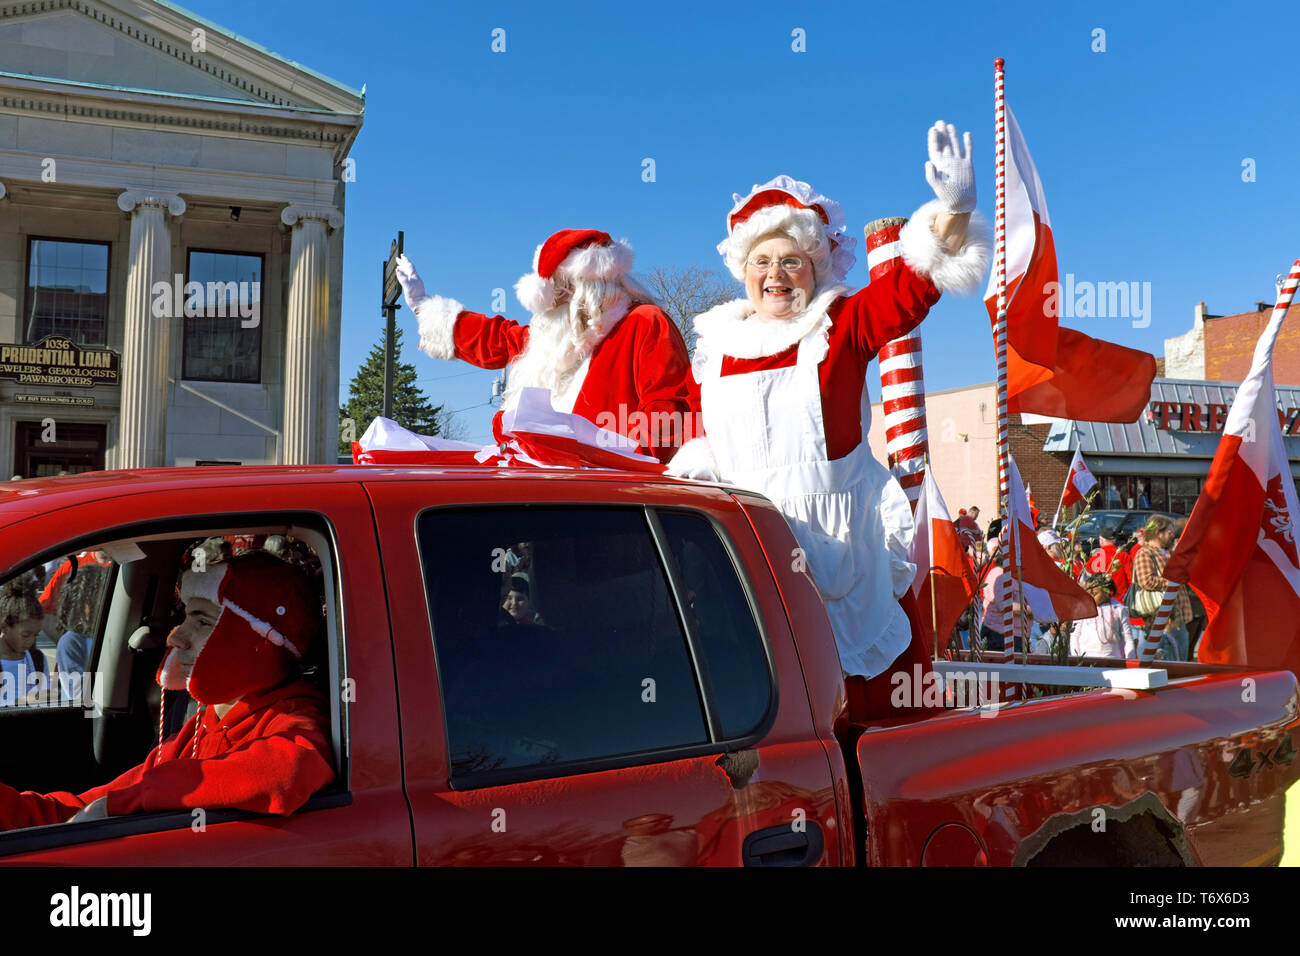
(1209, 756)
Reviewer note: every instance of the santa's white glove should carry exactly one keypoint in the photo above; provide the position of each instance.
(950, 172)
(412, 284)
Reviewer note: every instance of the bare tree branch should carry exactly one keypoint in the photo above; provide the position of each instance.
(685, 293)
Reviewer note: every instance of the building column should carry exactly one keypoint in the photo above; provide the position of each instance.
(146, 340)
(306, 329)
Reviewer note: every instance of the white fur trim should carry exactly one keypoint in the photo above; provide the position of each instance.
(962, 273)
(607, 262)
(597, 262)
(695, 461)
(437, 317)
(535, 293)
(832, 263)
(204, 584)
(736, 329)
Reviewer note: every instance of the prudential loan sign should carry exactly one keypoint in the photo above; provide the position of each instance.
(56, 361)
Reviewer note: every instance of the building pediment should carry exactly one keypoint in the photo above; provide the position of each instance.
(147, 46)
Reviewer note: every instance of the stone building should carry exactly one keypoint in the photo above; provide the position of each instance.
(171, 241)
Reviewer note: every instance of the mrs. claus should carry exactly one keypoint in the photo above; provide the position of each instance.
(781, 378)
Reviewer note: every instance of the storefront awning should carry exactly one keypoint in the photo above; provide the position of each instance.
(1144, 438)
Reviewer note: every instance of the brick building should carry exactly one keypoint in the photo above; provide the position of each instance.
(1218, 348)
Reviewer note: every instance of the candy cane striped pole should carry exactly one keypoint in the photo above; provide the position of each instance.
(1285, 293)
(902, 379)
(1000, 327)
(1151, 642)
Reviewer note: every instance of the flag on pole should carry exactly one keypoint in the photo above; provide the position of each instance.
(944, 585)
(1049, 592)
(1052, 370)
(1078, 482)
(1238, 549)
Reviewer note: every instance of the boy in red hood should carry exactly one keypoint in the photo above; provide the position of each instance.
(260, 739)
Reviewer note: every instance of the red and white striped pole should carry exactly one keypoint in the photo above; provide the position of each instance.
(902, 380)
(1000, 327)
(1147, 650)
(1151, 643)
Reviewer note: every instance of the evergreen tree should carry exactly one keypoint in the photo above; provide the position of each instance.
(411, 407)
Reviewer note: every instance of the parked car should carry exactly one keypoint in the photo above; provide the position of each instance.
(1115, 522)
(676, 697)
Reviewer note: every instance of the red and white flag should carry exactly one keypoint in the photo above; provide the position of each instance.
(1238, 549)
(1049, 593)
(1052, 370)
(1078, 483)
(945, 581)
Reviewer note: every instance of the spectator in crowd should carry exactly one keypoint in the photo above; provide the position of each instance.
(79, 599)
(968, 524)
(22, 666)
(260, 740)
(1109, 634)
(1148, 570)
(50, 596)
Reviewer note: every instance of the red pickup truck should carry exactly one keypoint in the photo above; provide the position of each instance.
(669, 693)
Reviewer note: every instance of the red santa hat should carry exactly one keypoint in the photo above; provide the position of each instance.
(581, 254)
(790, 206)
(270, 613)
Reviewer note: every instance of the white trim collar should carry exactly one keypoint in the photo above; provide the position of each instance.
(735, 328)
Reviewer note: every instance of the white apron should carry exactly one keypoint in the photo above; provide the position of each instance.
(850, 517)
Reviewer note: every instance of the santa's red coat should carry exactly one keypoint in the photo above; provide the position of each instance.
(269, 755)
(637, 381)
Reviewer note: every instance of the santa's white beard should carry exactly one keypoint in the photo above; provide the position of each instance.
(556, 350)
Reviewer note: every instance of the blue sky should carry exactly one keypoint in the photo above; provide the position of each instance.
(478, 156)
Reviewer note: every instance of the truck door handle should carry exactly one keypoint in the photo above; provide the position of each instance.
(783, 846)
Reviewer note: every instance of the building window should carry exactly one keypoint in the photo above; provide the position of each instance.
(1183, 493)
(223, 322)
(67, 291)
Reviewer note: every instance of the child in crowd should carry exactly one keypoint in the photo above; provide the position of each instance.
(22, 666)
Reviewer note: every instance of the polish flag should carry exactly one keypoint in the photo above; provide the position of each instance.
(1238, 549)
(1049, 592)
(945, 581)
(1051, 370)
(1078, 483)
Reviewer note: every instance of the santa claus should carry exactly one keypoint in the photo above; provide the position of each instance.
(781, 377)
(595, 340)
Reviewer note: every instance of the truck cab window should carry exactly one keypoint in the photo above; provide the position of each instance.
(583, 659)
(723, 623)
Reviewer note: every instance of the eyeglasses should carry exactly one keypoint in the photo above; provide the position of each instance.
(764, 263)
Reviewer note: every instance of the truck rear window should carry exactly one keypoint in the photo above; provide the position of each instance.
(558, 639)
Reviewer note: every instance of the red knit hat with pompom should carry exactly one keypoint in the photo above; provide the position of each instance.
(577, 254)
(270, 613)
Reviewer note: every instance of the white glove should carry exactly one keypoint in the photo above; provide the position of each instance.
(412, 284)
(950, 172)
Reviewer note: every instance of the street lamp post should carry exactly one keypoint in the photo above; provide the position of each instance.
(389, 305)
